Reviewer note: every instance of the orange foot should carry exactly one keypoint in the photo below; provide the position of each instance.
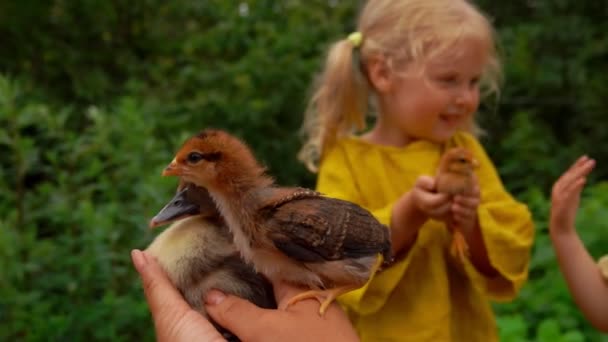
(325, 297)
(459, 247)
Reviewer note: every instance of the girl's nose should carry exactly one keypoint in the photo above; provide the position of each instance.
(467, 96)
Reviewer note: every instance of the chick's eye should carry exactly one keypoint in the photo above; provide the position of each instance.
(194, 157)
(462, 160)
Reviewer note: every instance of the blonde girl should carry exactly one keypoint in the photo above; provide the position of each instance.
(418, 65)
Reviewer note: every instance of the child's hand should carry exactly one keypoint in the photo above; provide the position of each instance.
(565, 196)
(464, 208)
(430, 203)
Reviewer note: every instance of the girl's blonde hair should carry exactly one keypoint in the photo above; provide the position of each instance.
(400, 31)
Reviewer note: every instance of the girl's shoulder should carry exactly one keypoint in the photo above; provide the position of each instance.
(355, 144)
(467, 140)
(355, 148)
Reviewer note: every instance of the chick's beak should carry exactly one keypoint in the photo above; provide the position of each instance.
(173, 169)
(475, 163)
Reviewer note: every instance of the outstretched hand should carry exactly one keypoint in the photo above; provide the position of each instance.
(566, 193)
(175, 320)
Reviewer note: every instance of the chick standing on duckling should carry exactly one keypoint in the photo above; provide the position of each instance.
(198, 254)
(292, 234)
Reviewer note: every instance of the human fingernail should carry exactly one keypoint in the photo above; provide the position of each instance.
(138, 258)
(214, 297)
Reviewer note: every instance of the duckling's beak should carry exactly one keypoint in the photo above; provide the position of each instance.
(173, 169)
(475, 163)
(179, 207)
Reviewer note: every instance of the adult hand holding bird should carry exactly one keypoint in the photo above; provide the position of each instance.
(176, 321)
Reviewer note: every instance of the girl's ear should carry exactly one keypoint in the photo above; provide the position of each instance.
(379, 74)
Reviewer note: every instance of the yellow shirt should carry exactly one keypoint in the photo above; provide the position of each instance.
(426, 295)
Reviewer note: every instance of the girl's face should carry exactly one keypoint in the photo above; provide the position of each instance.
(433, 100)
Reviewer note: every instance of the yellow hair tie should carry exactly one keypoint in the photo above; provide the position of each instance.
(355, 38)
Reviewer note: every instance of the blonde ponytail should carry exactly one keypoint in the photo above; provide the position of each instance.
(338, 104)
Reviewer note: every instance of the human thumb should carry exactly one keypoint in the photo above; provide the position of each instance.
(238, 315)
(159, 292)
(174, 320)
(426, 182)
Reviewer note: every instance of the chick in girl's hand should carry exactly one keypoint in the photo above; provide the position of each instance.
(291, 234)
(455, 177)
(198, 254)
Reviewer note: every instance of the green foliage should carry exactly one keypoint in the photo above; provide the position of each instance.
(240, 66)
(97, 95)
(555, 90)
(77, 209)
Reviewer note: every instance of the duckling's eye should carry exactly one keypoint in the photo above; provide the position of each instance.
(194, 157)
(462, 160)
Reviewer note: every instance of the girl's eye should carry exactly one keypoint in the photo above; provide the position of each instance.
(448, 79)
(475, 81)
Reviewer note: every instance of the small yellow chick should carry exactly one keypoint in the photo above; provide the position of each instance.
(455, 177)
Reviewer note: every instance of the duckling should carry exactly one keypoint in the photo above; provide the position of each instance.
(198, 254)
(290, 234)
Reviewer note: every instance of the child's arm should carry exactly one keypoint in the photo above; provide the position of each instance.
(582, 274)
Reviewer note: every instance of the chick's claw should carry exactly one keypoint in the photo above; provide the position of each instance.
(459, 247)
(325, 297)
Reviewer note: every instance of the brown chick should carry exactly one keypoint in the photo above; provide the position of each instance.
(291, 234)
(198, 254)
(455, 177)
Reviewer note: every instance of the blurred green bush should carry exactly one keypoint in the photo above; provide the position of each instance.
(96, 96)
